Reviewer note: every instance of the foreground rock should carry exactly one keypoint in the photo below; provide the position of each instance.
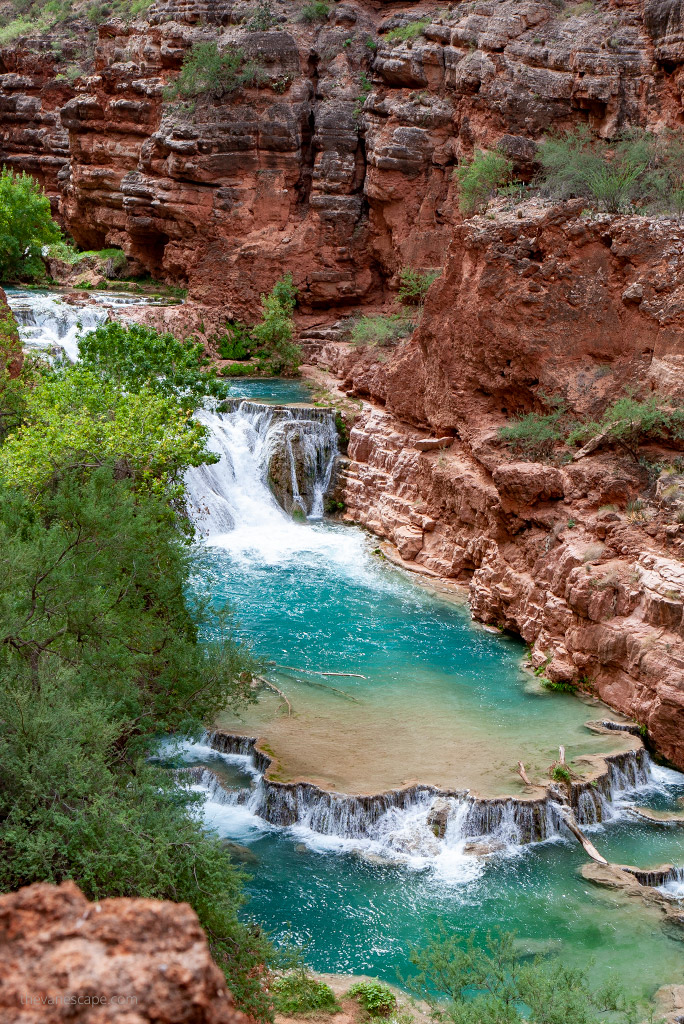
(129, 960)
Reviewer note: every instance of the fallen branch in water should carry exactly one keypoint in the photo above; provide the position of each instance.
(523, 774)
(312, 672)
(589, 848)
(323, 686)
(272, 686)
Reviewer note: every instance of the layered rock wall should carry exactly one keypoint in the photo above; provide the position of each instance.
(337, 162)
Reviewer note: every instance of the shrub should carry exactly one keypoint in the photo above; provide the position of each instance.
(533, 435)
(480, 178)
(238, 370)
(366, 86)
(235, 343)
(407, 32)
(300, 993)
(637, 169)
(629, 421)
(377, 999)
(415, 285)
(317, 10)
(561, 774)
(277, 352)
(262, 17)
(26, 225)
(206, 71)
(381, 330)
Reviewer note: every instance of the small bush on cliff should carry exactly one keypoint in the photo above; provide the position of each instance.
(466, 982)
(381, 331)
(415, 285)
(277, 352)
(407, 32)
(376, 998)
(533, 435)
(480, 178)
(299, 993)
(629, 421)
(317, 10)
(207, 71)
(638, 170)
(26, 225)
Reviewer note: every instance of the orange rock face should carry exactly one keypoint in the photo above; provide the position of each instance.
(129, 960)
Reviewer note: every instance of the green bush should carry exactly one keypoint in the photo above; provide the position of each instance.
(561, 774)
(206, 71)
(317, 10)
(628, 422)
(533, 435)
(299, 993)
(238, 370)
(381, 330)
(415, 285)
(262, 17)
(235, 343)
(468, 983)
(377, 999)
(26, 225)
(272, 336)
(407, 32)
(637, 170)
(480, 178)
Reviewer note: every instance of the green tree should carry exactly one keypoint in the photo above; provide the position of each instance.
(18, 370)
(466, 982)
(76, 419)
(135, 356)
(273, 335)
(26, 225)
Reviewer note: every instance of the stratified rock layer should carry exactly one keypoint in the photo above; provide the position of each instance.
(129, 960)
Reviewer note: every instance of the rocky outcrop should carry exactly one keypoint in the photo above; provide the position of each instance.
(132, 960)
(599, 599)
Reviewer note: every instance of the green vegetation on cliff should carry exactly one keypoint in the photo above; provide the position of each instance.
(100, 653)
(208, 71)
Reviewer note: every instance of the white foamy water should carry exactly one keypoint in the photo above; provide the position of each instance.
(49, 325)
(232, 505)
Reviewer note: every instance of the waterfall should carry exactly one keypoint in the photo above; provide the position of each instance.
(421, 821)
(51, 326)
(234, 496)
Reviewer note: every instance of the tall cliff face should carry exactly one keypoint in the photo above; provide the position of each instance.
(339, 165)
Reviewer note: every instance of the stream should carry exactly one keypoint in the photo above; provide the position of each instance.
(427, 702)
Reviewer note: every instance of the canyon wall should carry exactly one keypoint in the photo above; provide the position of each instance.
(338, 165)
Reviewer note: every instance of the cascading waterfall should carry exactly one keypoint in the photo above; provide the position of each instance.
(233, 495)
(51, 326)
(420, 822)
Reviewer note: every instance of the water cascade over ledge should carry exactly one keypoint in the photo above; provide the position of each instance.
(421, 820)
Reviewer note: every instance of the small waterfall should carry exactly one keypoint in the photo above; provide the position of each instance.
(250, 440)
(424, 821)
(51, 326)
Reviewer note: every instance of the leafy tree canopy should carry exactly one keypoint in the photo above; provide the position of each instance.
(75, 419)
(26, 225)
(135, 356)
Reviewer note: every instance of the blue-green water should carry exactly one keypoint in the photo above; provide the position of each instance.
(278, 390)
(443, 701)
